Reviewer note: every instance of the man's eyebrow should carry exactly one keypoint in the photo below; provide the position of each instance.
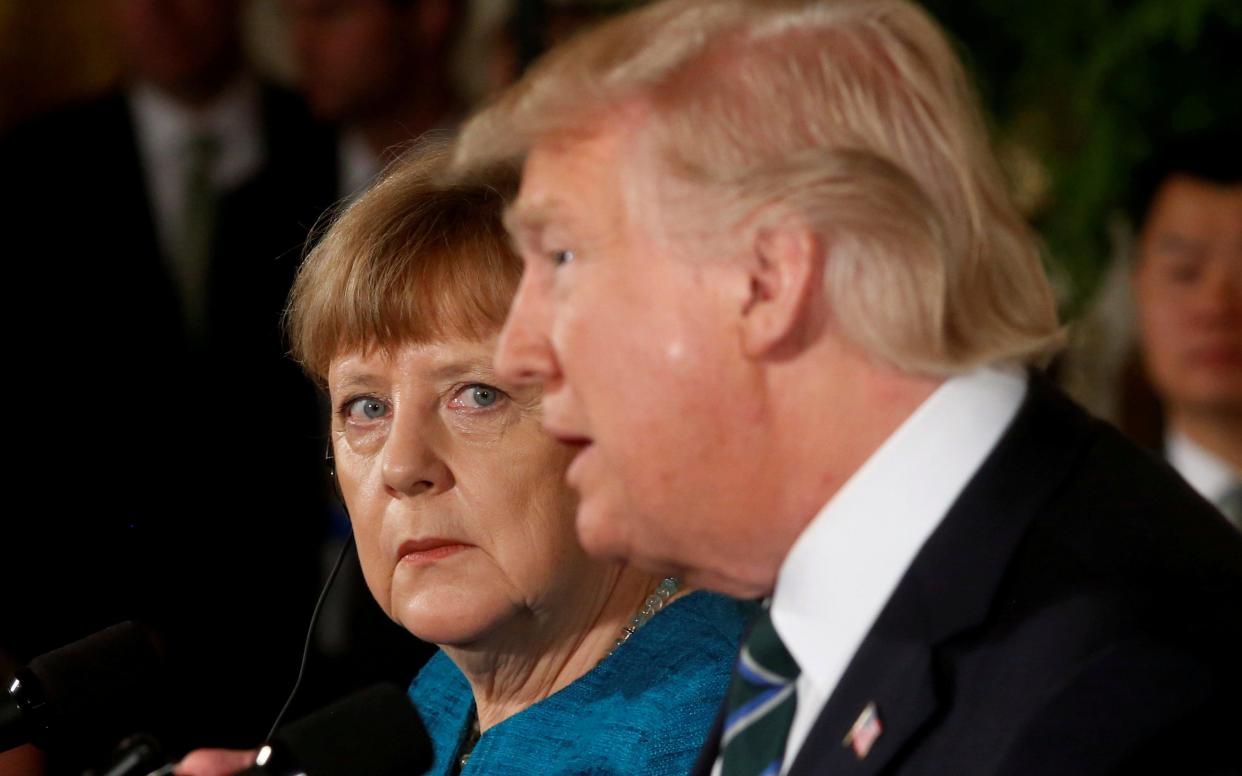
(1177, 241)
(522, 218)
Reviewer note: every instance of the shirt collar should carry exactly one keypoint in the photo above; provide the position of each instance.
(1208, 474)
(357, 164)
(846, 563)
(166, 127)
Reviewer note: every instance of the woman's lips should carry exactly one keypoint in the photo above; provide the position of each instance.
(425, 551)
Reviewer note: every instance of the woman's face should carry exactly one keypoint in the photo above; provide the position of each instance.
(456, 495)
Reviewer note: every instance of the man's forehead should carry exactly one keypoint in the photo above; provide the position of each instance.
(555, 178)
(1185, 199)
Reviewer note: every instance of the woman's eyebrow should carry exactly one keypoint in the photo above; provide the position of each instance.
(473, 367)
(349, 382)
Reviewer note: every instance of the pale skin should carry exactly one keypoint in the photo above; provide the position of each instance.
(1188, 285)
(465, 528)
(715, 401)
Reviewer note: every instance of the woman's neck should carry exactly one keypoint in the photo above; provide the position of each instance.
(544, 652)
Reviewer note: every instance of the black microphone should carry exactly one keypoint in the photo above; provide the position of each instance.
(374, 732)
(85, 696)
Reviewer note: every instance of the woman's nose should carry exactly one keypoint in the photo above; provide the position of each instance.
(524, 352)
(411, 464)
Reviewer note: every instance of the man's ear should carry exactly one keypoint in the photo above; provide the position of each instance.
(786, 271)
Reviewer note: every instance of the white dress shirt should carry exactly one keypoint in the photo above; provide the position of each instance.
(166, 129)
(356, 164)
(844, 566)
(1208, 474)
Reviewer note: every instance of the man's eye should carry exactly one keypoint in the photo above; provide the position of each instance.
(1182, 271)
(479, 396)
(560, 258)
(366, 408)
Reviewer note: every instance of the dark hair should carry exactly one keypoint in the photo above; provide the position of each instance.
(1214, 157)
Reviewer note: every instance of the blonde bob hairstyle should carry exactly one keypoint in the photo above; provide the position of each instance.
(415, 259)
(854, 114)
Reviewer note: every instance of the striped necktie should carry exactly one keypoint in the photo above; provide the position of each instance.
(760, 704)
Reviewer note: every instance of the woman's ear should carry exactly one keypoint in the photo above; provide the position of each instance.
(785, 270)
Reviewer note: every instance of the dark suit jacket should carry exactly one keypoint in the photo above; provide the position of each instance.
(163, 478)
(1078, 611)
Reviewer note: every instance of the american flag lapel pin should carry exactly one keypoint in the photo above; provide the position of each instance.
(864, 732)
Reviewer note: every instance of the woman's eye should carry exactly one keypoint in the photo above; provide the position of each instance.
(479, 396)
(366, 408)
(560, 258)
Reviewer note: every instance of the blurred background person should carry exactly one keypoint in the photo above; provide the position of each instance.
(1188, 289)
(379, 70)
(178, 481)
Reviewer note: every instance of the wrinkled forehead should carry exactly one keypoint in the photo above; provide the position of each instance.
(608, 179)
(427, 360)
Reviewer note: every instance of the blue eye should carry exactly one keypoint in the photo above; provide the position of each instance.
(560, 258)
(366, 408)
(481, 395)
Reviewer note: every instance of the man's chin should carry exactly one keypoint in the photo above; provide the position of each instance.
(725, 584)
(612, 534)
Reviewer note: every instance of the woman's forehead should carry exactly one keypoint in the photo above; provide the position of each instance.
(441, 359)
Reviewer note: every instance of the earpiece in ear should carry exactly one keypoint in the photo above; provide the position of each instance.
(329, 460)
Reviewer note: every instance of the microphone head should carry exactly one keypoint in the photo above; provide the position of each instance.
(91, 693)
(374, 732)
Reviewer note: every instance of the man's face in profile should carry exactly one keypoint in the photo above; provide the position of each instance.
(629, 332)
(1188, 285)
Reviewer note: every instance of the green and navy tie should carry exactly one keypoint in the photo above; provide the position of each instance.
(760, 705)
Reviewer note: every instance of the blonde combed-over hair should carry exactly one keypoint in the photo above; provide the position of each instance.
(856, 114)
(416, 259)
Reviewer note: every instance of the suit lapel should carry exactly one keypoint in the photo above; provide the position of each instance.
(893, 680)
(949, 588)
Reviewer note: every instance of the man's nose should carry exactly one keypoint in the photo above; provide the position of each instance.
(524, 353)
(1220, 293)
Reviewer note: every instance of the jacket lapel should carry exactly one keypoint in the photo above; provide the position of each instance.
(711, 747)
(949, 588)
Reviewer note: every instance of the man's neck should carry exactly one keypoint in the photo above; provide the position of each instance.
(204, 88)
(816, 447)
(1218, 432)
(386, 132)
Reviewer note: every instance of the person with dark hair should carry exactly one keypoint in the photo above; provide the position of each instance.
(155, 230)
(378, 70)
(1188, 288)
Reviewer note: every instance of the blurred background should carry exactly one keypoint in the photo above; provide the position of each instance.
(166, 161)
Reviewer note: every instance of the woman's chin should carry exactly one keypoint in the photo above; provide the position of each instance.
(451, 619)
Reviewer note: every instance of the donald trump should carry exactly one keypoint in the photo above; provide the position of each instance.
(776, 294)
